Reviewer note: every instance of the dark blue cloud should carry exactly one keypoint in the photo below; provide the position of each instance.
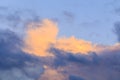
(89, 67)
(63, 58)
(72, 77)
(10, 53)
(12, 57)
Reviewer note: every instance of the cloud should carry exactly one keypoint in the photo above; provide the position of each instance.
(14, 63)
(72, 77)
(102, 66)
(52, 74)
(39, 39)
(80, 58)
(63, 58)
(42, 36)
(72, 59)
(74, 45)
(17, 20)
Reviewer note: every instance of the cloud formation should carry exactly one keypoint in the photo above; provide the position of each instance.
(40, 37)
(29, 57)
(14, 63)
(74, 45)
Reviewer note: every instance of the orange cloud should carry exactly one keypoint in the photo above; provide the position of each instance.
(39, 37)
(74, 45)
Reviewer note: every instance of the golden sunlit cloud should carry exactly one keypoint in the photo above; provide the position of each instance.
(74, 45)
(39, 37)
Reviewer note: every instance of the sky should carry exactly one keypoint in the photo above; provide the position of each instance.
(90, 20)
(59, 40)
